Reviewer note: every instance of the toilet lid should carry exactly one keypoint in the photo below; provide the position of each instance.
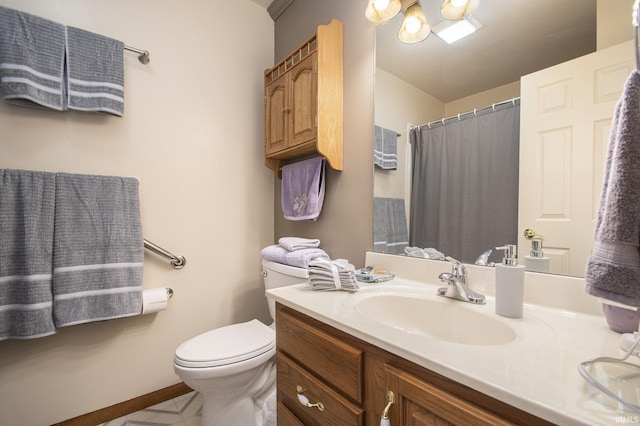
(226, 345)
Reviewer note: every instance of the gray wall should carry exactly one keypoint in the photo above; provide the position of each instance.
(345, 226)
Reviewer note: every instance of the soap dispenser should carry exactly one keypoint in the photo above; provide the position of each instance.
(509, 283)
(536, 261)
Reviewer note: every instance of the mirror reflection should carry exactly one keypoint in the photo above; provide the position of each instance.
(439, 96)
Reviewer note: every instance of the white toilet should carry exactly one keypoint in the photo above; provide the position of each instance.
(233, 367)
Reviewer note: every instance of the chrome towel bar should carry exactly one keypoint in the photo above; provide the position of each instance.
(143, 55)
(177, 262)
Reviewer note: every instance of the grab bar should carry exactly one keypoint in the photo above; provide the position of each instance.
(177, 262)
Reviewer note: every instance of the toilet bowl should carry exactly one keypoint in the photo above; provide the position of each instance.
(233, 367)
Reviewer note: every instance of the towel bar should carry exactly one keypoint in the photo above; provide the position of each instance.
(143, 55)
(177, 262)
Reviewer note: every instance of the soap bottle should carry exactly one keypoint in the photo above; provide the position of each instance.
(536, 261)
(509, 283)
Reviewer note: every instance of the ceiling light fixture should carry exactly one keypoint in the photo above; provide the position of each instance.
(452, 31)
(379, 11)
(415, 27)
(458, 9)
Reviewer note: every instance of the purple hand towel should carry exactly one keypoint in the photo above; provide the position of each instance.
(303, 189)
(613, 270)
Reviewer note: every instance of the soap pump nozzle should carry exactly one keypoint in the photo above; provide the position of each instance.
(510, 254)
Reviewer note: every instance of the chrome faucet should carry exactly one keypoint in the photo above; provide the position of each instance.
(457, 287)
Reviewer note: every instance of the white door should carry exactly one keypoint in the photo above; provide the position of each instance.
(566, 113)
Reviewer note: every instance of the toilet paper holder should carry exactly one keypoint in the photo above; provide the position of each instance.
(169, 292)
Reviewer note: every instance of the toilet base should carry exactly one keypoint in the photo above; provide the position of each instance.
(226, 406)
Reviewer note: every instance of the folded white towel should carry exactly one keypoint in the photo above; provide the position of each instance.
(297, 243)
(298, 258)
(339, 274)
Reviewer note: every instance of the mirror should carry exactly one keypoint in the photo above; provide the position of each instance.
(435, 80)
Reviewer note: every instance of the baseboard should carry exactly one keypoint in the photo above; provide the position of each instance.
(127, 407)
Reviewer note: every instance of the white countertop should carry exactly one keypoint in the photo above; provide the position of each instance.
(537, 372)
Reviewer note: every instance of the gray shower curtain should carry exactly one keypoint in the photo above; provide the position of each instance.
(464, 192)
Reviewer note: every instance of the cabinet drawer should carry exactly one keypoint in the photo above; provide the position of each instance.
(329, 358)
(286, 417)
(337, 411)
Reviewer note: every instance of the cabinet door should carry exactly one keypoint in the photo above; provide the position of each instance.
(276, 115)
(418, 403)
(304, 101)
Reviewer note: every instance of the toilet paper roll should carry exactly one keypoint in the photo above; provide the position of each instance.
(154, 300)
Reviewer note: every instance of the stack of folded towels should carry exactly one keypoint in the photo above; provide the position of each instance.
(326, 274)
(294, 251)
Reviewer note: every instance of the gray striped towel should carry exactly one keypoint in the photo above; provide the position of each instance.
(31, 60)
(95, 72)
(26, 244)
(98, 249)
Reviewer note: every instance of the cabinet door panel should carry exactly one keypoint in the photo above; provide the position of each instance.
(420, 403)
(304, 101)
(276, 114)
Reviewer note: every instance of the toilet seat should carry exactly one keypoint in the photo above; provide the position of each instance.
(226, 345)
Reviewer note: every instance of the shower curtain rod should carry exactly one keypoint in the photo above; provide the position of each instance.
(474, 112)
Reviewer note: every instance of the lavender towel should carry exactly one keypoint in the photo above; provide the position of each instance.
(613, 270)
(98, 249)
(95, 72)
(26, 245)
(298, 243)
(298, 258)
(31, 60)
(303, 189)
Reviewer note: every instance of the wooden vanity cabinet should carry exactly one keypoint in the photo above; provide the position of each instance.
(303, 101)
(350, 378)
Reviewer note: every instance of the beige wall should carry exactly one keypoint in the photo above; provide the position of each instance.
(613, 22)
(345, 226)
(193, 135)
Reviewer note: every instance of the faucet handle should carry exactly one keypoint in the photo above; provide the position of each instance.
(457, 268)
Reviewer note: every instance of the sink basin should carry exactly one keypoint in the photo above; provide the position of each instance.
(442, 320)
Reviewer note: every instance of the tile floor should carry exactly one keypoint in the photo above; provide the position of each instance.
(185, 410)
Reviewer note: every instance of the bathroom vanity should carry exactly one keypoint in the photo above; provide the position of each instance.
(445, 361)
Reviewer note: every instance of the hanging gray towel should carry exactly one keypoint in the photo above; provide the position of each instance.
(98, 249)
(381, 224)
(303, 189)
(95, 72)
(31, 60)
(385, 148)
(613, 270)
(26, 244)
(390, 233)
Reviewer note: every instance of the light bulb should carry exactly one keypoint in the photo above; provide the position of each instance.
(412, 25)
(380, 4)
(459, 3)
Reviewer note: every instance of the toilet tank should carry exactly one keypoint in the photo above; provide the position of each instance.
(278, 275)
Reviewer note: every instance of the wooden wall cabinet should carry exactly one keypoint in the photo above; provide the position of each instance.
(350, 379)
(303, 101)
